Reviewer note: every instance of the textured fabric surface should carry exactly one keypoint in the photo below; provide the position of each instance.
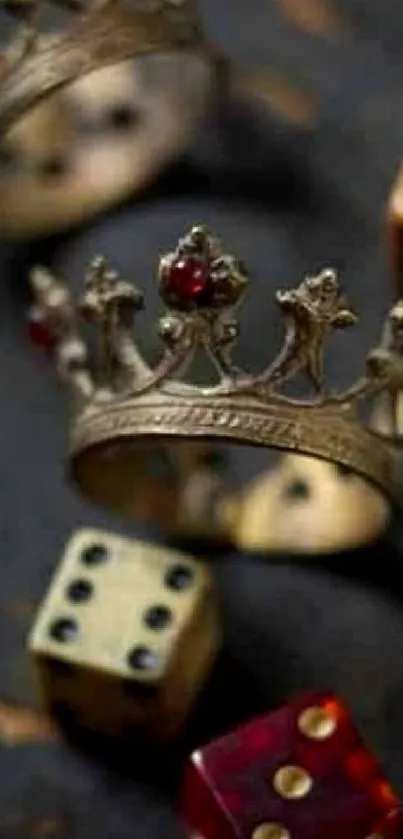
(286, 199)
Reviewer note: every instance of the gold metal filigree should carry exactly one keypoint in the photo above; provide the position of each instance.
(311, 311)
(121, 401)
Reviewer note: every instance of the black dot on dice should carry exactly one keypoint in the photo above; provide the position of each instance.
(53, 168)
(123, 117)
(95, 555)
(179, 578)
(64, 630)
(158, 617)
(298, 490)
(142, 658)
(79, 591)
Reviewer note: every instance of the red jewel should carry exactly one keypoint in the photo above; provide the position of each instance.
(185, 281)
(39, 333)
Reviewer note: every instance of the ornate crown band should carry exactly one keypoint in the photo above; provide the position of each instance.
(120, 402)
(103, 33)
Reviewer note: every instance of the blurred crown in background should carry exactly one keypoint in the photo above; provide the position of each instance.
(82, 125)
(99, 35)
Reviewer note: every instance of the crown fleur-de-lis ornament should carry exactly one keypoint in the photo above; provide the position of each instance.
(311, 311)
(201, 286)
(111, 304)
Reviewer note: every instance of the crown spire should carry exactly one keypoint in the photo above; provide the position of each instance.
(312, 311)
(201, 286)
(111, 303)
(385, 367)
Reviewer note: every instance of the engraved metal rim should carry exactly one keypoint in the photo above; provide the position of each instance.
(86, 456)
(322, 434)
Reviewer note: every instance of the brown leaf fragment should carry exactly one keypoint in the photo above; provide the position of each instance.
(21, 611)
(23, 726)
(281, 96)
(46, 827)
(20, 827)
(317, 17)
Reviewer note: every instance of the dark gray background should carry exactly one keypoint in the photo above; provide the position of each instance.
(286, 200)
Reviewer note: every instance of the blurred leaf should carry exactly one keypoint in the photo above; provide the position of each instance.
(318, 17)
(281, 96)
(23, 726)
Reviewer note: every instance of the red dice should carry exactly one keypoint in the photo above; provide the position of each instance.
(302, 772)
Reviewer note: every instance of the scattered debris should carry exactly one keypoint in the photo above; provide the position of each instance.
(23, 726)
(46, 827)
(22, 611)
(279, 94)
(318, 17)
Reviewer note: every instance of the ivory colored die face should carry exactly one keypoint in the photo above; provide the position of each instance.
(133, 623)
(308, 505)
(301, 772)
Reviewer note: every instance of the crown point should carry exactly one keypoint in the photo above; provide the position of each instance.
(328, 274)
(198, 275)
(396, 314)
(199, 234)
(99, 261)
(41, 280)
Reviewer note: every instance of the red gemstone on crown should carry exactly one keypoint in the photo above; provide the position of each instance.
(39, 333)
(186, 282)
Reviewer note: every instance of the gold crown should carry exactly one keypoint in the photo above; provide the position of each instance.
(121, 404)
(102, 33)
